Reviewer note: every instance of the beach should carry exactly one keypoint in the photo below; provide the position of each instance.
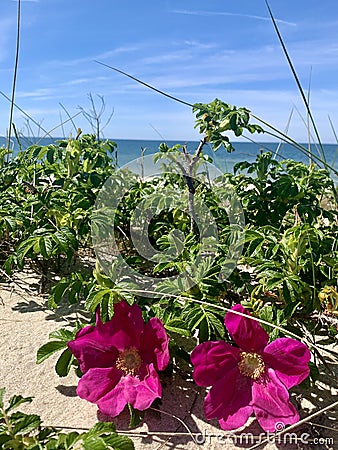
(25, 324)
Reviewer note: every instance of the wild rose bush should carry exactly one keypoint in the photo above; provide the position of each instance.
(120, 359)
(246, 369)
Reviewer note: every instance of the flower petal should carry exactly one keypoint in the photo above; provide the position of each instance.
(98, 346)
(211, 360)
(289, 358)
(271, 404)
(247, 334)
(124, 329)
(236, 420)
(91, 349)
(139, 392)
(97, 382)
(154, 344)
(229, 399)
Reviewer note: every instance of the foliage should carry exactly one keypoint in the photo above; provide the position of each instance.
(47, 195)
(286, 275)
(215, 118)
(289, 247)
(19, 431)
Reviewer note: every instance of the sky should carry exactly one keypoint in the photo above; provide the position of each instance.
(191, 49)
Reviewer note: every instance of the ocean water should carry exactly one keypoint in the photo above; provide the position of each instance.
(129, 149)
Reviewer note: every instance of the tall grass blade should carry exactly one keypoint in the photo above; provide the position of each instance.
(279, 134)
(149, 86)
(336, 138)
(16, 63)
(294, 73)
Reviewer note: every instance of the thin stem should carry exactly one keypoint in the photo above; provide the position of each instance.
(7, 421)
(15, 74)
(296, 425)
(224, 308)
(25, 114)
(278, 134)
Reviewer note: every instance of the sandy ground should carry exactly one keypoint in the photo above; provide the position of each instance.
(25, 323)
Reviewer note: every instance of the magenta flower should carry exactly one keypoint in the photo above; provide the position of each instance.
(251, 378)
(119, 360)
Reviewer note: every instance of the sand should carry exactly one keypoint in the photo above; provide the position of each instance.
(26, 321)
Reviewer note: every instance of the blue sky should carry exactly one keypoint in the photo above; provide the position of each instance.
(195, 50)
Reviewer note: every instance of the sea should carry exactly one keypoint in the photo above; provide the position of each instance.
(130, 149)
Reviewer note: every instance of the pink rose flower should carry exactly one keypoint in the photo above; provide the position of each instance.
(119, 360)
(251, 378)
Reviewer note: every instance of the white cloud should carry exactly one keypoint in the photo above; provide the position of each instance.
(80, 81)
(36, 94)
(223, 13)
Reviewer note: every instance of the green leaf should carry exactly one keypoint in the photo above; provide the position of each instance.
(94, 443)
(58, 291)
(26, 423)
(48, 349)
(177, 326)
(71, 439)
(2, 392)
(24, 248)
(64, 363)
(73, 295)
(3, 439)
(95, 298)
(50, 155)
(17, 400)
(118, 442)
(62, 335)
(102, 427)
(46, 246)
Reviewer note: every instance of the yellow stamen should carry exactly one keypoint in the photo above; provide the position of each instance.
(251, 365)
(129, 361)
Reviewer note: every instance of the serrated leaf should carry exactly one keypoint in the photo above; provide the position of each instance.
(95, 298)
(94, 443)
(118, 442)
(25, 423)
(17, 400)
(102, 427)
(62, 335)
(194, 317)
(48, 349)
(178, 326)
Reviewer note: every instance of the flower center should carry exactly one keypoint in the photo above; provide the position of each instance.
(251, 365)
(129, 361)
